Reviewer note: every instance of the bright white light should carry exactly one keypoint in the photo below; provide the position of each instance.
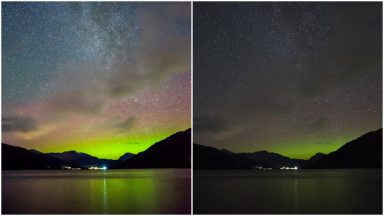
(97, 168)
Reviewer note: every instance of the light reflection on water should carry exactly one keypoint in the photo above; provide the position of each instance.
(288, 192)
(97, 192)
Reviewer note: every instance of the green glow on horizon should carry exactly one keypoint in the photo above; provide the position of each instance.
(109, 147)
(305, 148)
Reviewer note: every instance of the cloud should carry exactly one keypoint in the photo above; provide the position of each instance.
(317, 125)
(265, 103)
(208, 124)
(126, 124)
(122, 53)
(349, 53)
(18, 124)
(74, 102)
(161, 50)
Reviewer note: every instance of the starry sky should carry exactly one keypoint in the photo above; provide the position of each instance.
(292, 78)
(100, 78)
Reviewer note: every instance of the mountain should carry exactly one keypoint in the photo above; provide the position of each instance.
(317, 156)
(35, 151)
(17, 158)
(205, 157)
(363, 152)
(172, 152)
(83, 159)
(126, 156)
(273, 160)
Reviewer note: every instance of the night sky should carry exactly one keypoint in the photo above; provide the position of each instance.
(292, 78)
(100, 78)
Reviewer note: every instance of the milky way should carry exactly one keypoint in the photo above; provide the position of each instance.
(293, 78)
(101, 78)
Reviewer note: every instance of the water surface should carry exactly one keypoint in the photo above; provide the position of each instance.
(288, 192)
(146, 191)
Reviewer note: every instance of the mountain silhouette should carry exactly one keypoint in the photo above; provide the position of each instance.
(211, 158)
(17, 158)
(273, 160)
(35, 151)
(125, 156)
(317, 156)
(83, 159)
(363, 152)
(172, 152)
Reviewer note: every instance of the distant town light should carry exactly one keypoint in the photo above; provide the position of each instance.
(70, 168)
(98, 168)
(289, 168)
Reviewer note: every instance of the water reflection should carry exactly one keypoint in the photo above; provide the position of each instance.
(288, 192)
(96, 192)
(296, 189)
(105, 200)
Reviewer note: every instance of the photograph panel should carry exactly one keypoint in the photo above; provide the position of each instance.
(96, 108)
(287, 108)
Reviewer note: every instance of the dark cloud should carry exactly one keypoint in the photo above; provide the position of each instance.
(134, 51)
(126, 125)
(73, 102)
(317, 125)
(208, 124)
(269, 102)
(18, 124)
(126, 82)
(157, 55)
(352, 48)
